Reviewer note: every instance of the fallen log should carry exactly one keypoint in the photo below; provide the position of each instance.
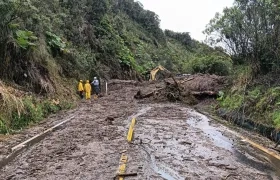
(189, 79)
(201, 93)
(141, 95)
(125, 175)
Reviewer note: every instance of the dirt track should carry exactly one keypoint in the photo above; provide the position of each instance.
(171, 141)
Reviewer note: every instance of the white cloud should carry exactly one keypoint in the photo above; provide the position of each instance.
(186, 15)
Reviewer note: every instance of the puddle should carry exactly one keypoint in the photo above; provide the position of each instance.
(202, 122)
(139, 113)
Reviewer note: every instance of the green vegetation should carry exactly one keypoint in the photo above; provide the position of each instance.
(47, 45)
(27, 111)
(219, 65)
(34, 111)
(249, 32)
(252, 99)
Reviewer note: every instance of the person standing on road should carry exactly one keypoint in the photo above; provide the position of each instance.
(95, 83)
(88, 89)
(81, 89)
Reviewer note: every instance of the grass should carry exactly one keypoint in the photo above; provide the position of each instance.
(260, 105)
(276, 119)
(17, 113)
(9, 105)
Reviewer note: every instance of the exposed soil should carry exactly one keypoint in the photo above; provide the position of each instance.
(171, 141)
(203, 82)
(188, 89)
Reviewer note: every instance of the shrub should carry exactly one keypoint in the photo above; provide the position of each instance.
(218, 65)
(232, 102)
(3, 127)
(33, 112)
(276, 118)
(49, 108)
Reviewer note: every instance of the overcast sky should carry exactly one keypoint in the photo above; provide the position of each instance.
(186, 15)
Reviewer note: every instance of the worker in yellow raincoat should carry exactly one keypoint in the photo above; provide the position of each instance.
(81, 89)
(88, 89)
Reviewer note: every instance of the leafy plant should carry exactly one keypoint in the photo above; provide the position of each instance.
(55, 41)
(25, 39)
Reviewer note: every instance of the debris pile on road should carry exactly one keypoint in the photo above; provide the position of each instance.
(187, 89)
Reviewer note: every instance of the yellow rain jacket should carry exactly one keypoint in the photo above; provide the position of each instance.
(88, 89)
(80, 86)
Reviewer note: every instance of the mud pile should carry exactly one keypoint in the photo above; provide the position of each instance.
(203, 82)
(188, 89)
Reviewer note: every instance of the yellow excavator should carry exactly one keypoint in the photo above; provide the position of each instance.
(155, 70)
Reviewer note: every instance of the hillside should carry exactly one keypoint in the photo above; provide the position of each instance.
(47, 46)
(250, 32)
(215, 116)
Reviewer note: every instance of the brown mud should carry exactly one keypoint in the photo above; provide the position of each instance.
(171, 141)
(189, 90)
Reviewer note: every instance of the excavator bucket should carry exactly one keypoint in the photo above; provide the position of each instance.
(155, 70)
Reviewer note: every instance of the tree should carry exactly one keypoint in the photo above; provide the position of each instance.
(184, 37)
(250, 31)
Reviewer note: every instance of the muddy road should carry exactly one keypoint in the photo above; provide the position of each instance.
(171, 141)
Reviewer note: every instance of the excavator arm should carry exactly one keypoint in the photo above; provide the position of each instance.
(155, 70)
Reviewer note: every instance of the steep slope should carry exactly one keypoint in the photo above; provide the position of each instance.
(46, 46)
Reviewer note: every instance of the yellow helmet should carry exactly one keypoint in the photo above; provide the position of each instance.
(81, 80)
(87, 81)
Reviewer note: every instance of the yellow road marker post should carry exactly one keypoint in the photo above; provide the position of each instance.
(123, 160)
(131, 130)
(122, 166)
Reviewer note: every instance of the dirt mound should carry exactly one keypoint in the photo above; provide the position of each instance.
(188, 89)
(202, 82)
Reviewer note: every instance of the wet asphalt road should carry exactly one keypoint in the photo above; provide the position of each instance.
(171, 141)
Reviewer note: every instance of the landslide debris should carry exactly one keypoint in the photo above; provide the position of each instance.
(188, 89)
